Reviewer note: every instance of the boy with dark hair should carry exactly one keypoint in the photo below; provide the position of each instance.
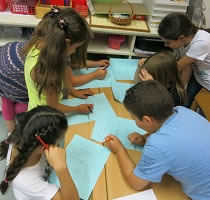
(178, 143)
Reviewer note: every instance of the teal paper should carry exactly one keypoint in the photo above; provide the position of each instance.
(119, 90)
(119, 127)
(85, 160)
(102, 109)
(123, 69)
(106, 82)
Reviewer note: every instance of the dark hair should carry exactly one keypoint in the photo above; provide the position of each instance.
(50, 38)
(176, 24)
(164, 68)
(49, 123)
(149, 98)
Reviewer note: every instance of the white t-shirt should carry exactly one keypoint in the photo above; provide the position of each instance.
(199, 49)
(29, 184)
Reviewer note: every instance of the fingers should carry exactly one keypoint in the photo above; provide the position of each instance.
(106, 63)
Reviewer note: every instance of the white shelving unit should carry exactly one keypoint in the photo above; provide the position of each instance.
(96, 45)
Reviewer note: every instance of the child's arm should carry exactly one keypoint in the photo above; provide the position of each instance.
(138, 70)
(127, 166)
(56, 157)
(136, 138)
(185, 67)
(53, 101)
(82, 79)
(99, 63)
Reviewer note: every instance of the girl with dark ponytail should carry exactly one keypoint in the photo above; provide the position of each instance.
(177, 31)
(25, 162)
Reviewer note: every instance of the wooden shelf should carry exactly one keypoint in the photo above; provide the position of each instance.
(95, 46)
(9, 19)
(101, 46)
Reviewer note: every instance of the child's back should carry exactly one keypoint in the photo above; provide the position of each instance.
(180, 148)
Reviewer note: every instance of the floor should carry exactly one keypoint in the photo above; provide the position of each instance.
(3, 134)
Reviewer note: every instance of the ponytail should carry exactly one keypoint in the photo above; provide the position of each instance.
(44, 121)
(4, 146)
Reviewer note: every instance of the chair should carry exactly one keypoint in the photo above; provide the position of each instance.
(202, 101)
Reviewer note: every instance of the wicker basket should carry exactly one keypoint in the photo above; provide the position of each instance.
(120, 21)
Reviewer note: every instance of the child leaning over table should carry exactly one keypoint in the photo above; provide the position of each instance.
(178, 144)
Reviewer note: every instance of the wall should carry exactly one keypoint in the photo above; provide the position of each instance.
(207, 13)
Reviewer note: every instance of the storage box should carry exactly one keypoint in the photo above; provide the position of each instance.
(3, 5)
(114, 41)
(150, 44)
(42, 9)
(24, 7)
(156, 6)
(160, 8)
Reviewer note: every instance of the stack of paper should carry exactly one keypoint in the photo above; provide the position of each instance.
(102, 109)
(145, 195)
(123, 69)
(106, 82)
(119, 127)
(85, 160)
(119, 90)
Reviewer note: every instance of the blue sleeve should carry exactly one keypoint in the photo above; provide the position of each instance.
(153, 165)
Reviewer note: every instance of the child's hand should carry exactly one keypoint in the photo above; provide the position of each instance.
(85, 108)
(100, 73)
(83, 93)
(114, 144)
(142, 61)
(144, 75)
(136, 138)
(103, 63)
(56, 157)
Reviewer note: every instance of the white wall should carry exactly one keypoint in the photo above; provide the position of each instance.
(207, 13)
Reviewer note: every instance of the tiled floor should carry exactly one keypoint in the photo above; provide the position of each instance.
(3, 135)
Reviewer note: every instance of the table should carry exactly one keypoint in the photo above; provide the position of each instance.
(111, 183)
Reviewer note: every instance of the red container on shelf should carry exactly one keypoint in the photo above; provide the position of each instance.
(114, 41)
(3, 5)
(25, 7)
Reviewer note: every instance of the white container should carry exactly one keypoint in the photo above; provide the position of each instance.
(161, 7)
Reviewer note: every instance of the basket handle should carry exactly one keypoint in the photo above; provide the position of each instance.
(117, 1)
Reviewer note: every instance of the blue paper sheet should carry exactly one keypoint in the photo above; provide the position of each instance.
(123, 69)
(102, 109)
(119, 90)
(106, 82)
(119, 127)
(85, 160)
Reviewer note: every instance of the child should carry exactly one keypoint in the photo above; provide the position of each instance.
(25, 162)
(57, 37)
(177, 31)
(13, 90)
(163, 68)
(178, 144)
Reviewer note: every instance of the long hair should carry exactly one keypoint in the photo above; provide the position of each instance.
(44, 121)
(50, 38)
(164, 68)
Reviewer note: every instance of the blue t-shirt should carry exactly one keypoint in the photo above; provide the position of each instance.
(181, 148)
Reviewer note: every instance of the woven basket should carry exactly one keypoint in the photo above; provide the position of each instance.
(120, 21)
